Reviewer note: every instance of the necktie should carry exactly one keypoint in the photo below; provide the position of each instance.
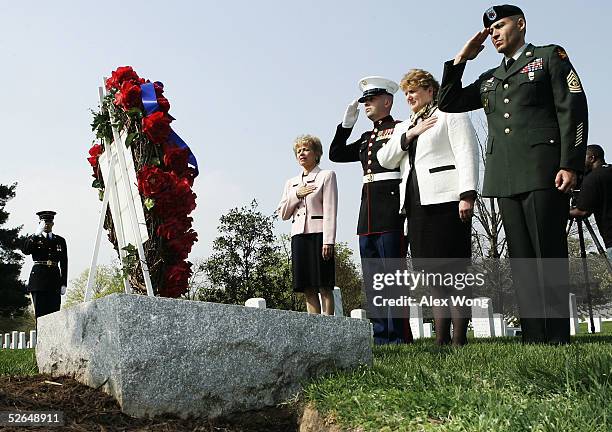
(509, 63)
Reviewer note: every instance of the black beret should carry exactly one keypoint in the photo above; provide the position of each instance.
(495, 13)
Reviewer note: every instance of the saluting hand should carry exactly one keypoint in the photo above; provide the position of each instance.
(472, 47)
(328, 251)
(305, 190)
(351, 114)
(40, 228)
(565, 180)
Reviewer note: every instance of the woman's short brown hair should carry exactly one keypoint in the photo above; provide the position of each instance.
(419, 78)
(311, 141)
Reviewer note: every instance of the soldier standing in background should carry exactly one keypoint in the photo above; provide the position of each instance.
(380, 226)
(48, 278)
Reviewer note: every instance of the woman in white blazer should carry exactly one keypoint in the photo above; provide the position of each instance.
(438, 159)
(310, 200)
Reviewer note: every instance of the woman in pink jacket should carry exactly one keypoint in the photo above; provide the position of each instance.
(310, 200)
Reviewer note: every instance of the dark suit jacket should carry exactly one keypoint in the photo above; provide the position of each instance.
(47, 277)
(537, 116)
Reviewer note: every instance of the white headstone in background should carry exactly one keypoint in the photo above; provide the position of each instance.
(338, 309)
(258, 303)
(499, 323)
(416, 321)
(359, 314)
(597, 322)
(427, 331)
(7, 341)
(22, 341)
(32, 338)
(482, 318)
(513, 331)
(14, 336)
(573, 309)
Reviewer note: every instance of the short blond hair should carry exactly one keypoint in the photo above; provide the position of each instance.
(311, 141)
(420, 78)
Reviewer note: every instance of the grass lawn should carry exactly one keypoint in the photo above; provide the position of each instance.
(17, 362)
(606, 327)
(488, 385)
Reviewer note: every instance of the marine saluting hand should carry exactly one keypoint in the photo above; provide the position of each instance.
(472, 47)
(351, 114)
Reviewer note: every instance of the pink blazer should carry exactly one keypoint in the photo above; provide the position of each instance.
(315, 212)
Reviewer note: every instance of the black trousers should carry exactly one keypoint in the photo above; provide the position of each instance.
(535, 223)
(46, 302)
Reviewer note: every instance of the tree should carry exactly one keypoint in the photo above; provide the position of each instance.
(109, 280)
(247, 262)
(490, 248)
(12, 291)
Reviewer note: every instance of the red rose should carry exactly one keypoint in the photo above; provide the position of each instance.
(175, 159)
(169, 205)
(176, 279)
(164, 105)
(181, 246)
(190, 175)
(157, 127)
(159, 88)
(174, 227)
(122, 74)
(128, 96)
(152, 181)
(94, 153)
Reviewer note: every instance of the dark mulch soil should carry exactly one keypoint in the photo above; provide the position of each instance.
(87, 409)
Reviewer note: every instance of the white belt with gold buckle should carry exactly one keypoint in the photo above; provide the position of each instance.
(369, 178)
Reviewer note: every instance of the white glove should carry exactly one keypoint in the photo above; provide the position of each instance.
(351, 114)
(41, 228)
(63, 289)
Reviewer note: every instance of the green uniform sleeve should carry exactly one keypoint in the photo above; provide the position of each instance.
(571, 106)
(454, 98)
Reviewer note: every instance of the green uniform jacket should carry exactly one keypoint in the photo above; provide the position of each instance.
(537, 116)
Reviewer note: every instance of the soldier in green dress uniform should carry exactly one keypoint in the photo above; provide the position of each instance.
(537, 118)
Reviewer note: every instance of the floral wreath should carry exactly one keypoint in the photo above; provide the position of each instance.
(165, 170)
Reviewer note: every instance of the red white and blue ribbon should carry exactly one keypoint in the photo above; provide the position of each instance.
(149, 101)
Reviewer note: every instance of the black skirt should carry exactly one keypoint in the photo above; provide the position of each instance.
(436, 231)
(309, 268)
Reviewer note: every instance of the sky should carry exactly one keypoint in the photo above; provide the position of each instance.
(243, 79)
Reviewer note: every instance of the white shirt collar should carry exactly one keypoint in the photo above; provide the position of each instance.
(517, 54)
